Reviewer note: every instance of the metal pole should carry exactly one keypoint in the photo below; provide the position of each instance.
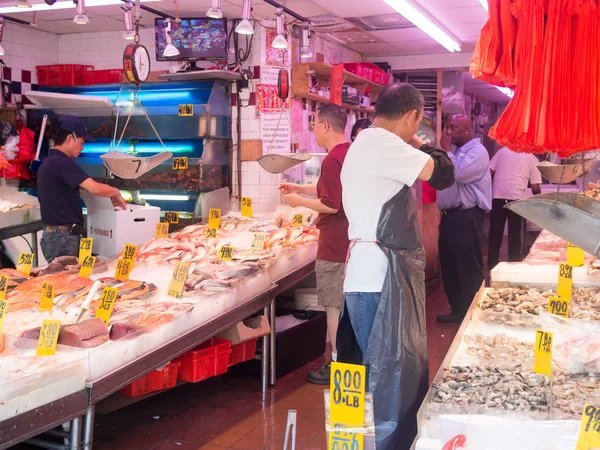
(88, 431)
(272, 344)
(34, 247)
(265, 357)
(75, 438)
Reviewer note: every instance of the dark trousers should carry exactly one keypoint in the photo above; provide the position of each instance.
(461, 256)
(516, 233)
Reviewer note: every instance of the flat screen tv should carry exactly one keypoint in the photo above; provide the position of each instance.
(196, 39)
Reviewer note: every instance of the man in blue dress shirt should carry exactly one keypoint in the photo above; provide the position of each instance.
(463, 208)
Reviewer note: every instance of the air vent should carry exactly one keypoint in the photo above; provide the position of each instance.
(381, 22)
(426, 84)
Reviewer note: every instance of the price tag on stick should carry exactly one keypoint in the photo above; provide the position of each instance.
(172, 217)
(343, 440)
(25, 262)
(589, 428)
(559, 306)
(180, 163)
(211, 232)
(575, 256)
(565, 281)
(246, 207)
(3, 286)
(107, 302)
(123, 270)
(258, 241)
(347, 395)
(177, 283)
(542, 353)
(47, 297)
(48, 338)
(214, 218)
(87, 266)
(226, 253)
(129, 251)
(85, 248)
(298, 220)
(161, 230)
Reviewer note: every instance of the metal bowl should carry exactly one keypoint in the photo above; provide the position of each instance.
(564, 173)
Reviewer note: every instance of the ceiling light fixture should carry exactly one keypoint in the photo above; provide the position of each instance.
(80, 18)
(23, 4)
(170, 49)
(215, 10)
(305, 50)
(506, 91)
(245, 27)
(484, 3)
(410, 12)
(1, 32)
(129, 33)
(69, 4)
(280, 42)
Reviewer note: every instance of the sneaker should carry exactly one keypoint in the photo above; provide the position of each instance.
(321, 376)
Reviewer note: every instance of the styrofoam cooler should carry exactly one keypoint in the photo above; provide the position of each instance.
(111, 229)
(307, 299)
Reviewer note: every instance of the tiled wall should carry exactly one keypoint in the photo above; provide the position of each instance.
(25, 48)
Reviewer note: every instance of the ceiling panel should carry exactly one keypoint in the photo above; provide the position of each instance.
(356, 8)
(459, 16)
(400, 35)
(374, 49)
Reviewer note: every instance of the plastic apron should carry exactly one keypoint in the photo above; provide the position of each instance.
(396, 356)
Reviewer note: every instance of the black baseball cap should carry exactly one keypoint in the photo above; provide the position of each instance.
(74, 124)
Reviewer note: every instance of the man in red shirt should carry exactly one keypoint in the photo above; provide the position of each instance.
(329, 128)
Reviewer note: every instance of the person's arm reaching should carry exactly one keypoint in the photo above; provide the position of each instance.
(330, 199)
(294, 200)
(104, 190)
(301, 189)
(439, 169)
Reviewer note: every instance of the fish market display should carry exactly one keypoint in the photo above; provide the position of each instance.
(571, 392)
(549, 249)
(493, 387)
(87, 334)
(498, 347)
(593, 190)
(69, 264)
(6, 206)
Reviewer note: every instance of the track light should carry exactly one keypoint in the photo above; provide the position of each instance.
(23, 4)
(245, 27)
(280, 42)
(129, 33)
(305, 50)
(170, 49)
(1, 32)
(80, 17)
(215, 10)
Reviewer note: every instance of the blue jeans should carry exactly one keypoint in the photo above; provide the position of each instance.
(59, 243)
(362, 307)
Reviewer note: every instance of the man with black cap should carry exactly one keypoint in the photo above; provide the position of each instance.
(59, 180)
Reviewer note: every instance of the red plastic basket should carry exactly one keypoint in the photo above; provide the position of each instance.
(62, 74)
(242, 352)
(103, 76)
(157, 380)
(209, 359)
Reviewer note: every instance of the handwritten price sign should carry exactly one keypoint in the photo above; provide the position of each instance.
(347, 394)
(589, 428)
(129, 251)
(542, 353)
(123, 269)
(25, 262)
(48, 338)
(575, 256)
(171, 216)
(87, 266)
(180, 163)
(258, 241)
(559, 306)
(107, 302)
(177, 283)
(211, 232)
(161, 230)
(85, 248)
(246, 207)
(226, 253)
(214, 218)
(47, 297)
(343, 440)
(298, 220)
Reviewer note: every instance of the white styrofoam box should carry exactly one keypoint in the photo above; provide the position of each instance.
(111, 229)
(19, 216)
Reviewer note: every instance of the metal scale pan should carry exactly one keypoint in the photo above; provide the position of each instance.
(129, 167)
(564, 174)
(572, 216)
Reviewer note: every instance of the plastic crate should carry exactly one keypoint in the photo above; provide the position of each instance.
(157, 380)
(209, 359)
(103, 76)
(355, 68)
(242, 352)
(62, 74)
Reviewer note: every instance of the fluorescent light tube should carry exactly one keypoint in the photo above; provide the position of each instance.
(484, 3)
(506, 91)
(176, 198)
(410, 12)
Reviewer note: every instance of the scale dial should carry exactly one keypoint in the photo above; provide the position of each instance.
(136, 63)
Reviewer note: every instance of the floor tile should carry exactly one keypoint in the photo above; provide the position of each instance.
(176, 444)
(252, 443)
(225, 439)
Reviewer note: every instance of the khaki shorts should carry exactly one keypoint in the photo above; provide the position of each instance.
(330, 283)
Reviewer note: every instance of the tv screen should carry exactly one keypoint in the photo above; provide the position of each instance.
(196, 39)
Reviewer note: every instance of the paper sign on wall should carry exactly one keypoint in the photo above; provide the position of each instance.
(276, 133)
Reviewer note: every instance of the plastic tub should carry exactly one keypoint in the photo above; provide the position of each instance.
(157, 380)
(62, 74)
(205, 361)
(242, 352)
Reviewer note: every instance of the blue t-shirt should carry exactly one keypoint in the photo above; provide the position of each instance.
(58, 183)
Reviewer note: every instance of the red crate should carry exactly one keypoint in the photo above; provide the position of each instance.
(62, 74)
(209, 359)
(157, 380)
(103, 76)
(355, 68)
(242, 352)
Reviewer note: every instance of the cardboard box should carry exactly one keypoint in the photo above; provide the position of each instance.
(247, 330)
(112, 229)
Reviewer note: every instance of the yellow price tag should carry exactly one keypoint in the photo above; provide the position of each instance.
(542, 353)
(129, 251)
(347, 394)
(565, 281)
(3, 286)
(107, 302)
(559, 306)
(246, 207)
(25, 262)
(3, 304)
(186, 110)
(180, 163)
(123, 269)
(85, 248)
(172, 216)
(575, 256)
(161, 230)
(226, 253)
(589, 428)
(87, 266)
(211, 232)
(47, 297)
(343, 440)
(178, 280)
(214, 218)
(258, 241)
(298, 220)
(48, 338)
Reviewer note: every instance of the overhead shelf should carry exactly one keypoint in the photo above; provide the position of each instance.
(321, 99)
